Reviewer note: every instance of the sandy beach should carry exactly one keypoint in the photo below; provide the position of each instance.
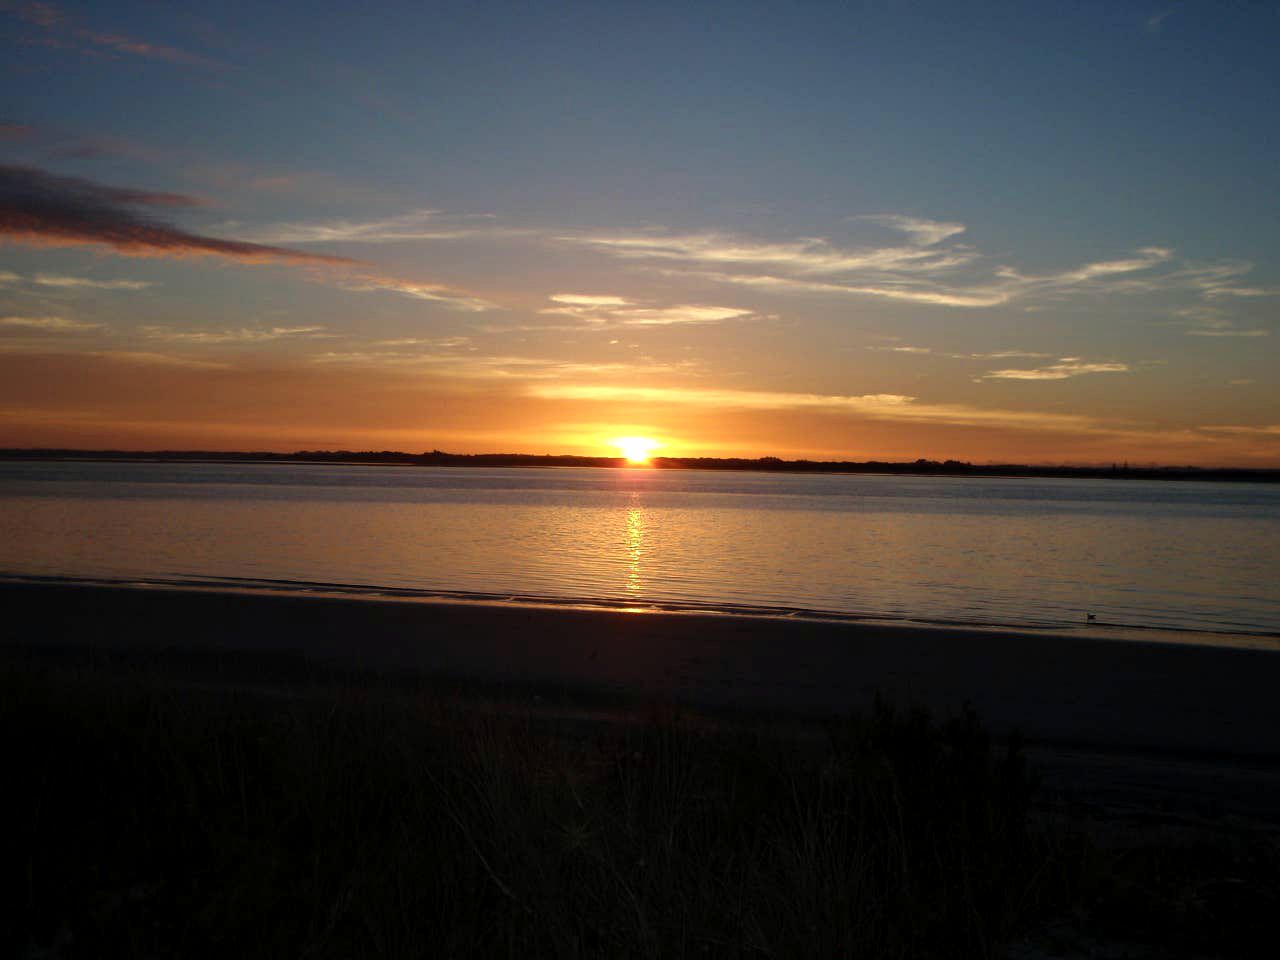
(409, 744)
(1068, 690)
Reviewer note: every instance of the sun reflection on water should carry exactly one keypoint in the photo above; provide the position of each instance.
(635, 547)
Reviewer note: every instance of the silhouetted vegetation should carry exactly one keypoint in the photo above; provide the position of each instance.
(437, 458)
(356, 816)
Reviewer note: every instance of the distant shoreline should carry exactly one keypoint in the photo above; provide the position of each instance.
(437, 458)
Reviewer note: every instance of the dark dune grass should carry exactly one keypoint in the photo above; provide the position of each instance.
(348, 815)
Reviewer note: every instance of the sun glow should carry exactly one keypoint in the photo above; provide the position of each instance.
(636, 449)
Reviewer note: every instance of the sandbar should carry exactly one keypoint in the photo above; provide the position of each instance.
(1064, 689)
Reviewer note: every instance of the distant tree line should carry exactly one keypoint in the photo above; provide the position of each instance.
(438, 458)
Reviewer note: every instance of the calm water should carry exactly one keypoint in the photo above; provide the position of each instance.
(1197, 556)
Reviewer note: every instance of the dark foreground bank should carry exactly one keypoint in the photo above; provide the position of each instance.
(156, 813)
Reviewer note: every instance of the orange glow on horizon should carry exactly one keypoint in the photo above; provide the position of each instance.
(637, 450)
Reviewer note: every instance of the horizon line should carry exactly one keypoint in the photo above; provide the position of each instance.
(766, 460)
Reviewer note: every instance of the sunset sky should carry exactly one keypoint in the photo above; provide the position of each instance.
(992, 231)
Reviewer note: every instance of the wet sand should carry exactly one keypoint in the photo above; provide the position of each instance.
(1076, 690)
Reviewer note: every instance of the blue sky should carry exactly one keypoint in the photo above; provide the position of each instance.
(993, 231)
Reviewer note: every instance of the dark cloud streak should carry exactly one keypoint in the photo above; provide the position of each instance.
(38, 181)
(41, 208)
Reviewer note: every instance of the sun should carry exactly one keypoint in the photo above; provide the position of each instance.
(636, 449)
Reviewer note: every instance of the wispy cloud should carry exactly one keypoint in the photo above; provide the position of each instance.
(120, 43)
(44, 209)
(512, 368)
(678, 314)
(416, 290)
(1210, 280)
(1264, 432)
(1065, 368)
(442, 343)
(49, 324)
(922, 232)
(1215, 286)
(1209, 317)
(242, 335)
(589, 300)
(808, 256)
(931, 269)
(76, 283)
(1144, 259)
(906, 290)
(620, 311)
(1221, 281)
(1000, 355)
(417, 225)
(1225, 291)
(928, 268)
(115, 146)
(149, 359)
(929, 351)
(1228, 332)
(1155, 22)
(894, 407)
(61, 30)
(727, 398)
